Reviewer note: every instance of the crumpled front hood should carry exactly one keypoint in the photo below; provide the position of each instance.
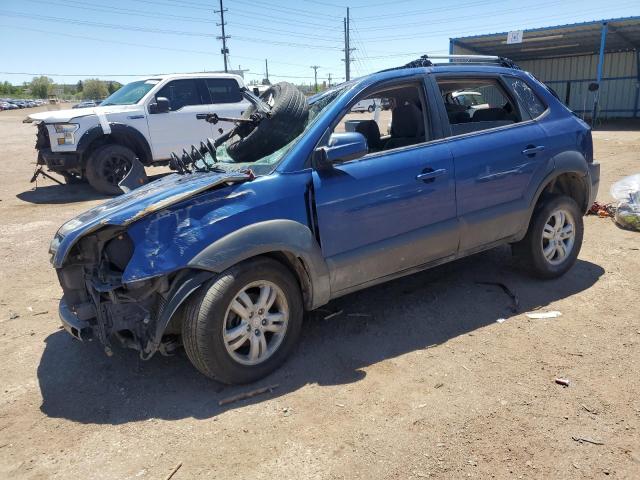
(59, 116)
(128, 208)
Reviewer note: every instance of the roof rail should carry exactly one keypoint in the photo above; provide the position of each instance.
(426, 61)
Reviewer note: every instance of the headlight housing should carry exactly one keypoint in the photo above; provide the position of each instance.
(64, 133)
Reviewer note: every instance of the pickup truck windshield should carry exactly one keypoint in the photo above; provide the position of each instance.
(131, 93)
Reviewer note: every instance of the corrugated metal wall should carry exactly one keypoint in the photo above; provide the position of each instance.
(570, 78)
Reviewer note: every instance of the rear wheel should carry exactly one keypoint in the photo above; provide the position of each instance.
(107, 166)
(553, 241)
(244, 323)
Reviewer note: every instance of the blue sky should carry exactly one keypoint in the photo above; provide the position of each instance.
(121, 39)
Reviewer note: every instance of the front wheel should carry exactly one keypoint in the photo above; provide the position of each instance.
(244, 323)
(553, 241)
(107, 167)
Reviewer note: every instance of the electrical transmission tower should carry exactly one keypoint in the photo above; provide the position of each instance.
(223, 37)
(315, 76)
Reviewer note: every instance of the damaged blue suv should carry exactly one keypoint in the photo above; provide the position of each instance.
(225, 256)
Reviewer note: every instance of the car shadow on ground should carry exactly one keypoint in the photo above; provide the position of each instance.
(79, 383)
(50, 193)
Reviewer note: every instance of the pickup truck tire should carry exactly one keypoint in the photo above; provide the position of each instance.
(107, 166)
(243, 323)
(552, 243)
(289, 112)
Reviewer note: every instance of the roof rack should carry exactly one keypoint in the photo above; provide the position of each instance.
(426, 61)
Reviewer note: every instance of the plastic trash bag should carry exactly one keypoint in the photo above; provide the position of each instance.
(627, 193)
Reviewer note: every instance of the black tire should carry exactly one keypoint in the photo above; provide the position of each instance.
(289, 113)
(205, 318)
(531, 248)
(107, 166)
(370, 108)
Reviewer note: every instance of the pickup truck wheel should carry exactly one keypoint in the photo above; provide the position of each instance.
(552, 243)
(243, 323)
(107, 166)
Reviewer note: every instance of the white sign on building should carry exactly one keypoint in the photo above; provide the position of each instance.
(514, 37)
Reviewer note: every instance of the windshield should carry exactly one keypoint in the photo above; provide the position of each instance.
(131, 93)
(265, 165)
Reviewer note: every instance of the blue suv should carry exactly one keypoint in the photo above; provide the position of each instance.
(467, 156)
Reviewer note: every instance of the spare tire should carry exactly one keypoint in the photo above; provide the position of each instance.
(289, 113)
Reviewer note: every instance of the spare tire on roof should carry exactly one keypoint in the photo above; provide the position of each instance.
(289, 113)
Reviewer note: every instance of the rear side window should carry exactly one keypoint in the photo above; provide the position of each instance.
(223, 90)
(181, 93)
(476, 104)
(527, 98)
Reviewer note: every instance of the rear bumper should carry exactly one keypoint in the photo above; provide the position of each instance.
(594, 177)
(59, 161)
(77, 328)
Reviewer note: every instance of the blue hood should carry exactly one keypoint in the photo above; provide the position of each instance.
(128, 208)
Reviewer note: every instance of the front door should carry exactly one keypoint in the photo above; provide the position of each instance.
(392, 210)
(179, 128)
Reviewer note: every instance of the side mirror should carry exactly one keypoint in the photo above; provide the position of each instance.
(341, 148)
(161, 105)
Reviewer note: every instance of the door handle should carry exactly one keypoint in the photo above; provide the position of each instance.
(201, 116)
(429, 174)
(531, 150)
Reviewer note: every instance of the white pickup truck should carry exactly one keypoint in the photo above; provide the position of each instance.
(144, 121)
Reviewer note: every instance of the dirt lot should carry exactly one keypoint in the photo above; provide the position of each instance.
(415, 379)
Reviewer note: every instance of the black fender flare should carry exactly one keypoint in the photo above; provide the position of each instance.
(566, 163)
(122, 134)
(271, 236)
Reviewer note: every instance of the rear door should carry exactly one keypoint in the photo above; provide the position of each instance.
(499, 152)
(180, 128)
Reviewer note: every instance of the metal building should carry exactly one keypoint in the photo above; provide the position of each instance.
(572, 59)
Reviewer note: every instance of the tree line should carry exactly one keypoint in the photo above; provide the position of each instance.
(43, 86)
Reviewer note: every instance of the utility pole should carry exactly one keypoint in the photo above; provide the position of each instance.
(225, 50)
(315, 76)
(347, 48)
(266, 72)
(329, 80)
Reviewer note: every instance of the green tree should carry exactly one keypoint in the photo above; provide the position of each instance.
(40, 86)
(79, 86)
(94, 89)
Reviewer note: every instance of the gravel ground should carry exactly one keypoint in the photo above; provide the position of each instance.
(414, 379)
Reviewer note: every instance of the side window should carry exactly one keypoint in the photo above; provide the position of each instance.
(223, 90)
(181, 93)
(527, 98)
(476, 104)
(389, 118)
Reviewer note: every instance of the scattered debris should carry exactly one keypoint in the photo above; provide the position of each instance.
(627, 193)
(438, 385)
(341, 405)
(173, 472)
(466, 368)
(587, 440)
(563, 381)
(30, 309)
(41, 313)
(334, 314)
(543, 315)
(245, 395)
(286, 411)
(514, 298)
(590, 410)
(501, 320)
(602, 210)
(13, 315)
(422, 405)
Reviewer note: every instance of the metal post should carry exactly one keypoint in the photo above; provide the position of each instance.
(225, 50)
(266, 71)
(603, 41)
(329, 80)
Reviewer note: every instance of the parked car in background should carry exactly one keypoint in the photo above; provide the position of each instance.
(145, 121)
(87, 104)
(226, 260)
